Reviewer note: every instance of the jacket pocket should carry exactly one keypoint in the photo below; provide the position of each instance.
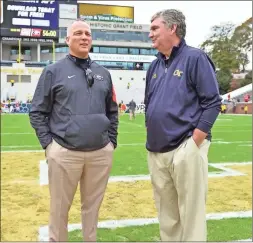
(87, 131)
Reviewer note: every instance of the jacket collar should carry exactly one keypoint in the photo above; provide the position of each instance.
(84, 62)
(175, 50)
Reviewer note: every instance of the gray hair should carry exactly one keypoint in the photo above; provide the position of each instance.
(171, 17)
(74, 21)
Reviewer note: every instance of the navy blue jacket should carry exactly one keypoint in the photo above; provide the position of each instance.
(181, 94)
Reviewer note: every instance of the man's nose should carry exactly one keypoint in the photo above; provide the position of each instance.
(150, 34)
(84, 36)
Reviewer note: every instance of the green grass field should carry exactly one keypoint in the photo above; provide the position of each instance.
(232, 138)
(231, 142)
(222, 230)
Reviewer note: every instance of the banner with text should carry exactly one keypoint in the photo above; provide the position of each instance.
(140, 108)
(30, 19)
(118, 26)
(107, 13)
(121, 58)
(67, 11)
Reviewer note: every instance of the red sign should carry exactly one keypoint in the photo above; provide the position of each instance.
(36, 33)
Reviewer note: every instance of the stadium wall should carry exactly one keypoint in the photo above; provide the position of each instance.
(240, 108)
(25, 86)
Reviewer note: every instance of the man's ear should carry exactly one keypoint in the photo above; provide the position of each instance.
(173, 28)
(67, 40)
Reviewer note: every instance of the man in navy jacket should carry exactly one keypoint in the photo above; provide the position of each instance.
(182, 102)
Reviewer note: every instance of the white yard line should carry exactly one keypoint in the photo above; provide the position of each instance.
(17, 133)
(11, 127)
(228, 171)
(248, 240)
(222, 115)
(112, 224)
(43, 177)
(15, 114)
(29, 133)
(230, 131)
(127, 144)
(235, 142)
(224, 119)
(21, 146)
(22, 151)
(132, 178)
(225, 125)
(127, 132)
(230, 163)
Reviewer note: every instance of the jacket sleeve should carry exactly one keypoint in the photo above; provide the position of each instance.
(112, 114)
(146, 98)
(206, 84)
(41, 107)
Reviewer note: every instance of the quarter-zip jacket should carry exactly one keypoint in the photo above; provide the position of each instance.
(181, 94)
(66, 109)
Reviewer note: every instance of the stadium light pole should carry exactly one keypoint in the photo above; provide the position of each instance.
(19, 59)
(19, 50)
(53, 51)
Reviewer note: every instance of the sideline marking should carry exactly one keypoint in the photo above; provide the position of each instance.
(128, 144)
(131, 178)
(112, 224)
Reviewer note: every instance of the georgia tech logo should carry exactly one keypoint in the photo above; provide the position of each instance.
(154, 75)
(178, 73)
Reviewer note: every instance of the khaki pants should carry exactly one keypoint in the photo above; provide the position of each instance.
(66, 169)
(180, 179)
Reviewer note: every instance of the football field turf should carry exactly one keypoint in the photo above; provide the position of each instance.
(25, 202)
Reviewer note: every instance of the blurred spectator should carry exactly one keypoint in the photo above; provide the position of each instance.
(132, 107)
(246, 109)
(120, 107)
(17, 106)
(223, 108)
(138, 66)
(123, 108)
(246, 98)
(234, 105)
(12, 92)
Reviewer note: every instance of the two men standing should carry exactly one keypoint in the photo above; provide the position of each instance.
(75, 116)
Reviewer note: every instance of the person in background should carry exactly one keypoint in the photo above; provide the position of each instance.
(234, 105)
(246, 98)
(246, 109)
(120, 107)
(132, 107)
(123, 108)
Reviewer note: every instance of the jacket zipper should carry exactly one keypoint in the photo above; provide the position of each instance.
(90, 97)
(89, 92)
(166, 65)
(88, 89)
